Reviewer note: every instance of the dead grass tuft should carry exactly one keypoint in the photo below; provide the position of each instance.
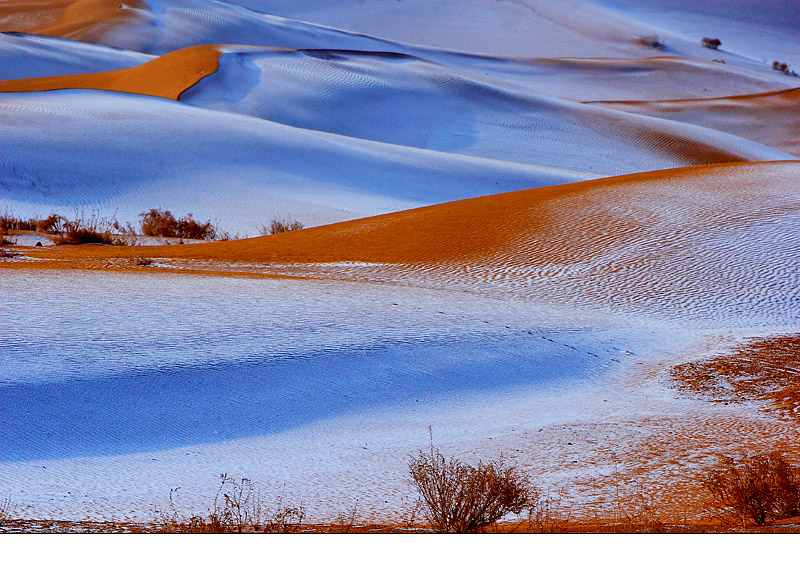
(237, 508)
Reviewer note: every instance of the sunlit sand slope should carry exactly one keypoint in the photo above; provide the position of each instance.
(771, 119)
(83, 20)
(167, 77)
(125, 153)
(710, 243)
(24, 55)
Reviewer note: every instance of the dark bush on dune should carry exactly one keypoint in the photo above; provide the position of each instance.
(163, 223)
(755, 489)
(460, 498)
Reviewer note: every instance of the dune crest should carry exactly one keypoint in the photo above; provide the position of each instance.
(770, 118)
(164, 77)
(82, 20)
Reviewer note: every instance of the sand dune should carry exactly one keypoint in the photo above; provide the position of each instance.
(483, 228)
(166, 77)
(342, 127)
(769, 118)
(83, 20)
(26, 56)
(562, 29)
(399, 99)
(651, 78)
(708, 243)
(541, 323)
(322, 387)
(126, 154)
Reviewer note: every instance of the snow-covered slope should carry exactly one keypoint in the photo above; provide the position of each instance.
(402, 100)
(23, 56)
(534, 324)
(771, 119)
(124, 153)
(758, 30)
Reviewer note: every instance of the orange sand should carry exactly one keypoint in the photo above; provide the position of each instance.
(82, 20)
(459, 231)
(165, 77)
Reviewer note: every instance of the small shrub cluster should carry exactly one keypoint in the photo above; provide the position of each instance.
(86, 231)
(277, 226)
(460, 498)
(652, 42)
(710, 43)
(52, 224)
(783, 68)
(755, 488)
(162, 223)
(238, 508)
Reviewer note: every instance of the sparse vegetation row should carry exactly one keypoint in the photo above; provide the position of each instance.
(455, 497)
(155, 223)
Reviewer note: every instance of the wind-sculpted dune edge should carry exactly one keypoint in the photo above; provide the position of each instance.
(165, 77)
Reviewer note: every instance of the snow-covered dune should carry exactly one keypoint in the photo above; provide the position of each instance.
(711, 244)
(772, 119)
(125, 153)
(583, 28)
(25, 56)
(501, 275)
(402, 100)
(319, 389)
(757, 30)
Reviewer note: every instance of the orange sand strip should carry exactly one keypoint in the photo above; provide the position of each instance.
(82, 20)
(165, 77)
(459, 231)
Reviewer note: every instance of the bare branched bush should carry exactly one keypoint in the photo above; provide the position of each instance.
(163, 223)
(460, 498)
(6, 511)
(755, 488)
(710, 43)
(237, 508)
(277, 226)
(52, 224)
(91, 230)
(652, 42)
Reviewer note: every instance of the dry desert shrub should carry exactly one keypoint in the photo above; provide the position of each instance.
(163, 223)
(755, 488)
(86, 231)
(6, 511)
(237, 508)
(277, 226)
(52, 224)
(460, 498)
(652, 42)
